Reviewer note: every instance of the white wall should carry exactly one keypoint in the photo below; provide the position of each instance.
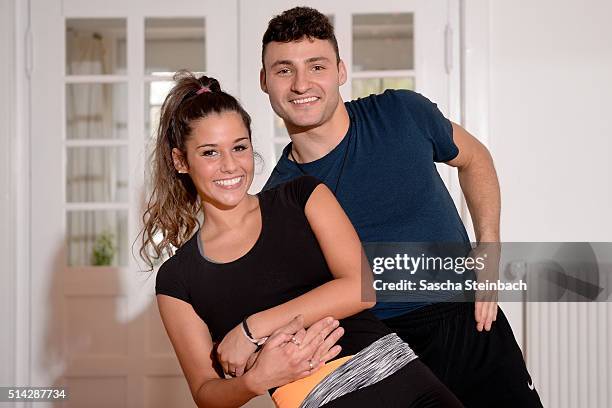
(550, 118)
(550, 132)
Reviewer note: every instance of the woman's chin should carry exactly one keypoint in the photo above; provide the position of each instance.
(228, 199)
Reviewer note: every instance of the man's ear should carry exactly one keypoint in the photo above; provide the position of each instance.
(180, 164)
(262, 80)
(341, 73)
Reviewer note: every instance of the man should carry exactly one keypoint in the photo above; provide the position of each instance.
(377, 155)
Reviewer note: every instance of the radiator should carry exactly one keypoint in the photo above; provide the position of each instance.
(569, 353)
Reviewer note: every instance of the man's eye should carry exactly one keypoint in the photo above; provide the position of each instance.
(284, 71)
(318, 67)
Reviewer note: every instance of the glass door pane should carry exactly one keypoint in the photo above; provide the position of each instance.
(383, 53)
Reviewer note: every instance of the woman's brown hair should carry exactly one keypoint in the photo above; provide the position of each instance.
(172, 209)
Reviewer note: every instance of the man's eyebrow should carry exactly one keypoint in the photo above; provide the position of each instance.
(281, 62)
(317, 59)
(308, 61)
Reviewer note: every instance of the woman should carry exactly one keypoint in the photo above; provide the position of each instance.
(256, 262)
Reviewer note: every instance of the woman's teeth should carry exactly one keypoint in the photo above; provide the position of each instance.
(228, 182)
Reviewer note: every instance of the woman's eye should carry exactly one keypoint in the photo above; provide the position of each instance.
(240, 148)
(209, 153)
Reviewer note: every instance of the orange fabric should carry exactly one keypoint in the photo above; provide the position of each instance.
(291, 395)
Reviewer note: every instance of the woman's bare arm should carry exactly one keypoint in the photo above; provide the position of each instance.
(193, 346)
(279, 362)
(347, 294)
(344, 295)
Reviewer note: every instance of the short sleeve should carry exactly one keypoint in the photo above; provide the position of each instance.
(170, 281)
(437, 128)
(300, 189)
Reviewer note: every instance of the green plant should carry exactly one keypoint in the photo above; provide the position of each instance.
(104, 249)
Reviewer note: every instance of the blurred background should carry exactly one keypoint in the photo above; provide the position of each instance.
(82, 85)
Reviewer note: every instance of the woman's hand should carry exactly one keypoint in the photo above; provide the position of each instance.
(234, 351)
(288, 357)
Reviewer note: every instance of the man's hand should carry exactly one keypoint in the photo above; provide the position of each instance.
(480, 187)
(485, 311)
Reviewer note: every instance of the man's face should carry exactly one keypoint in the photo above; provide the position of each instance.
(302, 79)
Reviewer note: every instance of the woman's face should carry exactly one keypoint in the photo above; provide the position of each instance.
(219, 159)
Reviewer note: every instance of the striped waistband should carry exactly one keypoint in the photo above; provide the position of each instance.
(293, 394)
(372, 364)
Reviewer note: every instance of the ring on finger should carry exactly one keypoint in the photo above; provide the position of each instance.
(295, 341)
(310, 364)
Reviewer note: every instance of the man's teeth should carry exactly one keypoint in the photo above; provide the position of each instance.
(305, 100)
(229, 182)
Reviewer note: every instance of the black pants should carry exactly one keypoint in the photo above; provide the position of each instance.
(483, 369)
(413, 386)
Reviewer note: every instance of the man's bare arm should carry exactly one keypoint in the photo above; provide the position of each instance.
(479, 184)
(480, 187)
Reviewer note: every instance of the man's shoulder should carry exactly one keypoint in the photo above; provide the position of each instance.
(392, 104)
(392, 96)
(278, 177)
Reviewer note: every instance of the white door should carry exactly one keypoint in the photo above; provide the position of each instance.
(384, 44)
(99, 75)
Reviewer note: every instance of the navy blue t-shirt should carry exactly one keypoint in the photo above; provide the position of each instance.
(388, 185)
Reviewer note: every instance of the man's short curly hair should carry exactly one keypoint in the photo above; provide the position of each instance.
(297, 23)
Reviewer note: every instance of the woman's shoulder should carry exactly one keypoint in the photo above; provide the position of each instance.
(295, 191)
(186, 252)
(172, 274)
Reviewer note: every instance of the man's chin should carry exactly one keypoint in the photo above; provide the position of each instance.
(302, 124)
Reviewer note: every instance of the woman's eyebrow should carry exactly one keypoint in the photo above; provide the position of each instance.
(215, 144)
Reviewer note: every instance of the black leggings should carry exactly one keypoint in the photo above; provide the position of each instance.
(413, 386)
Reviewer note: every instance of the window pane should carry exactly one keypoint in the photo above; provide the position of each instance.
(383, 42)
(96, 111)
(368, 86)
(172, 44)
(278, 149)
(97, 238)
(96, 46)
(96, 174)
(279, 127)
(155, 94)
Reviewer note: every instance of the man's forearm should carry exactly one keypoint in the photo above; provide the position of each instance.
(480, 187)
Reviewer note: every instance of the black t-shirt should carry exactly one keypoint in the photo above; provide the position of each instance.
(284, 263)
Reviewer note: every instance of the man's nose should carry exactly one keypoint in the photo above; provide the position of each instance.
(300, 84)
